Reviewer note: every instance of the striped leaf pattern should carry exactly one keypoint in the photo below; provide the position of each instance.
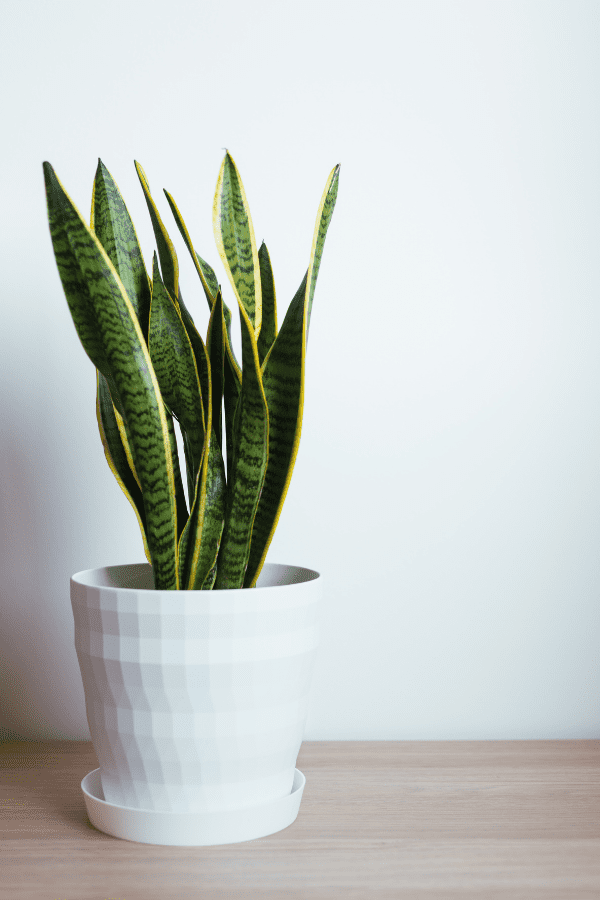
(250, 442)
(175, 366)
(110, 333)
(283, 380)
(116, 456)
(206, 521)
(232, 375)
(112, 225)
(153, 367)
(180, 504)
(166, 251)
(268, 330)
(323, 219)
(234, 236)
(208, 280)
(215, 346)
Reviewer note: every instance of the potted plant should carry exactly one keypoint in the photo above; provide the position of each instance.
(196, 702)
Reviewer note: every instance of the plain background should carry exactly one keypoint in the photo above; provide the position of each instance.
(448, 479)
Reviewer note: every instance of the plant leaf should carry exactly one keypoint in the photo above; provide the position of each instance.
(283, 380)
(112, 225)
(182, 513)
(116, 456)
(324, 215)
(234, 236)
(174, 362)
(211, 279)
(166, 251)
(111, 335)
(268, 330)
(215, 347)
(208, 280)
(205, 526)
(250, 442)
(232, 371)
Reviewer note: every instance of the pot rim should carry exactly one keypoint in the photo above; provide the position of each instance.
(99, 578)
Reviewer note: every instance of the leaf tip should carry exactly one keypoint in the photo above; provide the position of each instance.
(50, 180)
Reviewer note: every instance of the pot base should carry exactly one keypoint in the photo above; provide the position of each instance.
(232, 826)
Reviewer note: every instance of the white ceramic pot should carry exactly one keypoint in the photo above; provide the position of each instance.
(196, 700)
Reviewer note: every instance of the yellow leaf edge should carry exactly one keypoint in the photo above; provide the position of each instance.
(221, 248)
(113, 469)
(296, 442)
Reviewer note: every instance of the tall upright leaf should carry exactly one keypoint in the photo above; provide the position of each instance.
(112, 225)
(283, 381)
(117, 457)
(200, 542)
(232, 375)
(268, 330)
(175, 366)
(209, 282)
(215, 346)
(250, 448)
(166, 251)
(180, 503)
(234, 235)
(323, 219)
(110, 333)
(202, 538)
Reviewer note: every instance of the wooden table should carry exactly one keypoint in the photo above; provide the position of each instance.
(378, 819)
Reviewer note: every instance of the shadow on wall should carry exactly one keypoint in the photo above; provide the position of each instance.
(34, 569)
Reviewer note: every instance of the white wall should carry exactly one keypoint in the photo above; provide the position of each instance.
(448, 480)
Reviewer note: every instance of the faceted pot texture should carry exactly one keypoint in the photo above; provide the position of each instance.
(196, 700)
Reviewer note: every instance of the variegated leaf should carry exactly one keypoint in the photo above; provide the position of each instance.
(215, 346)
(166, 251)
(110, 333)
(232, 372)
(116, 455)
(268, 330)
(112, 225)
(174, 362)
(250, 442)
(205, 526)
(283, 380)
(234, 235)
(323, 219)
(208, 279)
(181, 507)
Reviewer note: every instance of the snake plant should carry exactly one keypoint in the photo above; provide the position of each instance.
(153, 368)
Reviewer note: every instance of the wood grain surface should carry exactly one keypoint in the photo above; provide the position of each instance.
(380, 819)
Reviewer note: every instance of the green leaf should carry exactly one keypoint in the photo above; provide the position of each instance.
(283, 381)
(250, 441)
(174, 362)
(205, 526)
(210, 579)
(209, 274)
(112, 225)
(231, 399)
(208, 280)
(180, 504)
(268, 330)
(110, 334)
(232, 371)
(117, 456)
(234, 236)
(166, 251)
(323, 219)
(201, 357)
(215, 346)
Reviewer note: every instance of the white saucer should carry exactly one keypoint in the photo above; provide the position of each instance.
(206, 829)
